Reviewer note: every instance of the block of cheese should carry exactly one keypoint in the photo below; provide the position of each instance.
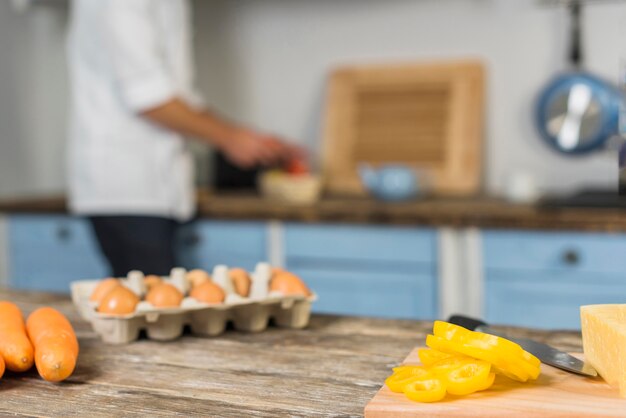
(604, 342)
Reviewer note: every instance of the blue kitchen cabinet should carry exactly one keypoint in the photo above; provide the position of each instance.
(47, 252)
(365, 270)
(540, 279)
(372, 293)
(205, 244)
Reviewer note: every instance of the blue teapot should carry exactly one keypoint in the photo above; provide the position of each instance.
(390, 182)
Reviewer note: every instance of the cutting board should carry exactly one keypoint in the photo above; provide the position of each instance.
(425, 115)
(554, 394)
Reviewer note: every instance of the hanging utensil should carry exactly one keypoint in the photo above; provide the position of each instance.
(577, 112)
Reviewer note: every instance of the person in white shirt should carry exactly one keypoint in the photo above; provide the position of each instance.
(132, 104)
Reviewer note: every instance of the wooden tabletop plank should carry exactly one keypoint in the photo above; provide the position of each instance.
(332, 368)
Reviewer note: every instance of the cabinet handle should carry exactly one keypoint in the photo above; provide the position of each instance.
(64, 233)
(571, 257)
(192, 240)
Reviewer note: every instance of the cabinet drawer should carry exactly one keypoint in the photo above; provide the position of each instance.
(361, 244)
(372, 294)
(548, 299)
(48, 252)
(57, 230)
(205, 244)
(571, 252)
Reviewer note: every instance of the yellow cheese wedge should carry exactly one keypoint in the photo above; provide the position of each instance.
(604, 342)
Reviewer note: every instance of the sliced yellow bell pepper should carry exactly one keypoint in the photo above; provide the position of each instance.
(458, 375)
(444, 366)
(511, 369)
(507, 357)
(468, 378)
(406, 367)
(480, 339)
(397, 381)
(489, 382)
(461, 362)
(506, 364)
(426, 390)
(428, 356)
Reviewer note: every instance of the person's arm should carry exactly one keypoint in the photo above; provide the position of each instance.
(242, 146)
(133, 43)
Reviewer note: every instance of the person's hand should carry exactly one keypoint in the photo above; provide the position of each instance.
(247, 148)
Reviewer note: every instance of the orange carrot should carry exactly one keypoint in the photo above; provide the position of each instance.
(56, 346)
(15, 347)
(1, 366)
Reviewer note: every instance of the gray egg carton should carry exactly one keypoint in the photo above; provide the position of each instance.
(250, 314)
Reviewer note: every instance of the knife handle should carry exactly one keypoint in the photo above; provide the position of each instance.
(466, 322)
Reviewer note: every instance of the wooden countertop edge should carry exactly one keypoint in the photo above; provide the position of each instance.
(456, 213)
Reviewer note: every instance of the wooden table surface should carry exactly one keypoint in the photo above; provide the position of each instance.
(332, 368)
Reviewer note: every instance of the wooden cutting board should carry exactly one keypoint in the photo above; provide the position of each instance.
(555, 394)
(425, 115)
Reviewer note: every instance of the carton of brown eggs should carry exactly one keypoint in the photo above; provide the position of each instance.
(250, 313)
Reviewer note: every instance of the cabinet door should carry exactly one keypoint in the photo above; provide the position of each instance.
(47, 252)
(541, 279)
(370, 293)
(370, 271)
(205, 244)
(360, 244)
(548, 300)
(555, 251)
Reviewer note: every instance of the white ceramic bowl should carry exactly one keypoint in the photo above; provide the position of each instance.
(298, 189)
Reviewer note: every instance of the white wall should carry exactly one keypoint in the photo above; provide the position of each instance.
(265, 62)
(4, 253)
(32, 100)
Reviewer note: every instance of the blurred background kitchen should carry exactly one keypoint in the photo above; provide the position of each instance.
(476, 208)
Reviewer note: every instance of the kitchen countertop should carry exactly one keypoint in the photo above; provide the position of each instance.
(332, 368)
(480, 212)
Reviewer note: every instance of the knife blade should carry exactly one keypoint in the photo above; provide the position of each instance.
(547, 354)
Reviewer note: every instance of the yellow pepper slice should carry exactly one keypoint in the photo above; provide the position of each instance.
(509, 368)
(406, 367)
(508, 357)
(531, 358)
(468, 378)
(481, 340)
(426, 390)
(428, 356)
(507, 365)
(444, 366)
(461, 362)
(397, 381)
(489, 382)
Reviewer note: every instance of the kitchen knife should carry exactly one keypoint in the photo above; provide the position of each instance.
(543, 352)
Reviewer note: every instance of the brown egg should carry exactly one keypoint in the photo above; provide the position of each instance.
(197, 277)
(241, 281)
(208, 292)
(164, 295)
(103, 289)
(119, 301)
(277, 270)
(288, 284)
(151, 280)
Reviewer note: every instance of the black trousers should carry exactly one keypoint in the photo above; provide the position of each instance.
(143, 243)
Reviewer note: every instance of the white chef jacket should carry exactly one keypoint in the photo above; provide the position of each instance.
(125, 57)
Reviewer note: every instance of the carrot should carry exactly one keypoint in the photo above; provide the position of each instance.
(15, 347)
(1, 366)
(56, 346)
